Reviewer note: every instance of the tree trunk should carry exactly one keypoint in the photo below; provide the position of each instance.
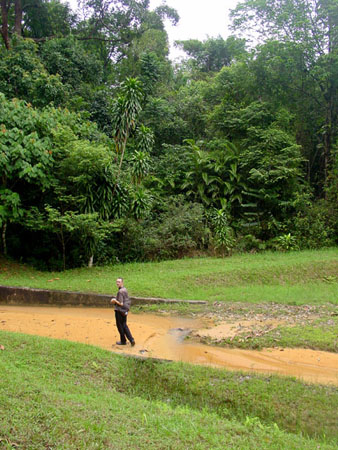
(90, 262)
(124, 144)
(63, 243)
(330, 121)
(18, 17)
(4, 16)
(122, 154)
(326, 151)
(4, 245)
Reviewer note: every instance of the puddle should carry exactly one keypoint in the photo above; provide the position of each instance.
(163, 337)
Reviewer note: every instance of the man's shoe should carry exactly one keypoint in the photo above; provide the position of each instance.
(121, 343)
(132, 343)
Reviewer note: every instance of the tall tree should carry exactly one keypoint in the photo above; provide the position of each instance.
(36, 19)
(5, 5)
(214, 53)
(126, 109)
(309, 30)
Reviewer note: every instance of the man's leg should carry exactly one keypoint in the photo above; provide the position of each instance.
(126, 330)
(120, 326)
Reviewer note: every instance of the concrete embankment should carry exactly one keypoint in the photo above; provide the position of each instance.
(10, 295)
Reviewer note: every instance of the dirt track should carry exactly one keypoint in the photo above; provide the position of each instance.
(163, 337)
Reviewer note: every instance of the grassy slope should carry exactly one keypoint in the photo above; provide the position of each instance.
(56, 394)
(307, 277)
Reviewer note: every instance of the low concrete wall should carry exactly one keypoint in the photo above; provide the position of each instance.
(27, 296)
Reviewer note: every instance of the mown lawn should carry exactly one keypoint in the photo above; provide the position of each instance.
(294, 278)
(57, 394)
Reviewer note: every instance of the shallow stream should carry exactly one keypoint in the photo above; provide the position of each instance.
(162, 336)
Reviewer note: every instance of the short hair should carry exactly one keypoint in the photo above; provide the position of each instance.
(119, 278)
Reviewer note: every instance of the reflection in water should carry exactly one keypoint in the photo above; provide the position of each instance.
(163, 337)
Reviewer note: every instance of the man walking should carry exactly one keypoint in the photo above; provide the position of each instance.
(122, 305)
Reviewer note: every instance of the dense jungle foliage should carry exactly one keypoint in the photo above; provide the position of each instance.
(111, 152)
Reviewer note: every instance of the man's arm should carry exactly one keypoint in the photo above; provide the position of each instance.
(116, 302)
(124, 300)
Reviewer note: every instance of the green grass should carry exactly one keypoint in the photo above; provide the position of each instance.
(295, 278)
(57, 394)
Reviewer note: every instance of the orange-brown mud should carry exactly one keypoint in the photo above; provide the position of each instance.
(163, 337)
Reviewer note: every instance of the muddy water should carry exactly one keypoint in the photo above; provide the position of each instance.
(163, 337)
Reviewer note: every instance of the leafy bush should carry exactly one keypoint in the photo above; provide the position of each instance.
(177, 230)
(249, 242)
(223, 235)
(285, 242)
(174, 229)
(23, 76)
(313, 226)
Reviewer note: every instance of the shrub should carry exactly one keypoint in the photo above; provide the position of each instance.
(177, 230)
(223, 235)
(313, 226)
(285, 242)
(249, 242)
